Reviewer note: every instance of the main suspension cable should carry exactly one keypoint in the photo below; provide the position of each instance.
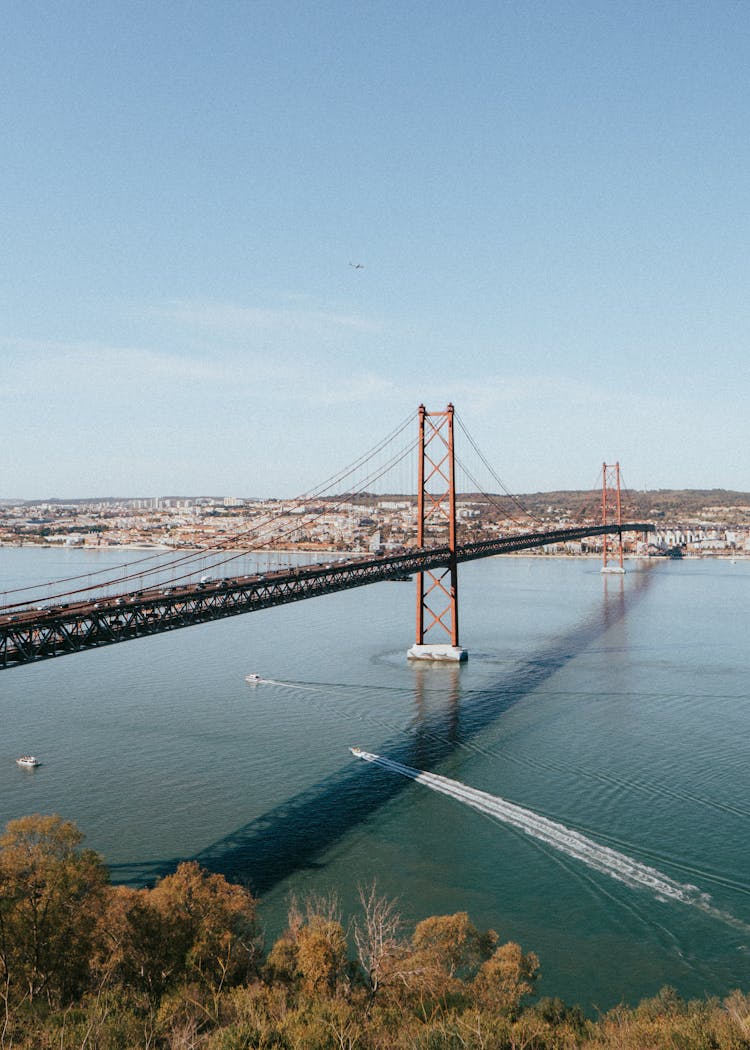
(494, 474)
(263, 527)
(170, 560)
(490, 499)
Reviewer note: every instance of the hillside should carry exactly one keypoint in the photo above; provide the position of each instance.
(674, 505)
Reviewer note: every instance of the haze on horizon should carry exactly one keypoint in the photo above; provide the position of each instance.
(549, 202)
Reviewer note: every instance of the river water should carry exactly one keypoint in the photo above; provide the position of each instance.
(604, 721)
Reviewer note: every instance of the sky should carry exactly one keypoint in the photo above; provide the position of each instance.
(550, 203)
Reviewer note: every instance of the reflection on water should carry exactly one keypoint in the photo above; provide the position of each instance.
(614, 707)
(296, 833)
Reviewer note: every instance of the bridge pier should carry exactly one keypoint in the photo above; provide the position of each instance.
(438, 652)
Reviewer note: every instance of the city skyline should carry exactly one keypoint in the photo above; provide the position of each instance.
(242, 242)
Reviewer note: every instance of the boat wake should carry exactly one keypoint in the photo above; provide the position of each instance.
(254, 679)
(572, 843)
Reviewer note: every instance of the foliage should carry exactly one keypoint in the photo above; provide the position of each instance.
(51, 895)
(311, 955)
(177, 967)
(506, 978)
(212, 924)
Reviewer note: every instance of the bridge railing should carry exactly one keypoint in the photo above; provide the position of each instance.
(526, 541)
(35, 634)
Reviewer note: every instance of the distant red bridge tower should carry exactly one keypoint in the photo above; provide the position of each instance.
(612, 514)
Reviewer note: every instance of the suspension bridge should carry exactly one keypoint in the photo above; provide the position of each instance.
(170, 590)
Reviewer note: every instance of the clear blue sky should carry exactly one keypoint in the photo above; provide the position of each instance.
(551, 202)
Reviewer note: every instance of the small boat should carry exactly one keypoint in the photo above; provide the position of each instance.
(253, 678)
(356, 750)
(28, 761)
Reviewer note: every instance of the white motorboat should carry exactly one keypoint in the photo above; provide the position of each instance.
(356, 750)
(253, 678)
(28, 761)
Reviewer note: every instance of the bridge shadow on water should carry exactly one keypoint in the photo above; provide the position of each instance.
(297, 834)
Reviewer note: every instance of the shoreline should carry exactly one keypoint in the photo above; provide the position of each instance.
(721, 555)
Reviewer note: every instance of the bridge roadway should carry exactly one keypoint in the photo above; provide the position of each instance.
(40, 633)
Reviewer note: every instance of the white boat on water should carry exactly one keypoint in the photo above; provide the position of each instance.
(28, 761)
(356, 750)
(253, 678)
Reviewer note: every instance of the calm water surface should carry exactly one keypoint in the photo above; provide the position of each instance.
(618, 708)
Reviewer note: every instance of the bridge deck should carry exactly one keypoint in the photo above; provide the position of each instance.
(34, 634)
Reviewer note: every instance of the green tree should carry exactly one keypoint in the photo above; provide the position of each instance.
(212, 924)
(506, 978)
(51, 896)
(312, 953)
(445, 950)
(138, 946)
(449, 943)
(321, 955)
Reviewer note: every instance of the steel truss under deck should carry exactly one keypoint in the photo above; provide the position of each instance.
(40, 634)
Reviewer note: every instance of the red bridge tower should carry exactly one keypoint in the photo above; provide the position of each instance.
(437, 592)
(612, 513)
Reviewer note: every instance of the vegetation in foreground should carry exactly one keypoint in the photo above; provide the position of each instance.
(87, 965)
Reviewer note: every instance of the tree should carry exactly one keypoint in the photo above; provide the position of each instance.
(737, 1006)
(321, 955)
(51, 895)
(212, 924)
(449, 943)
(377, 935)
(312, 951)
(445, 950)
(138, 946)
(505, 978)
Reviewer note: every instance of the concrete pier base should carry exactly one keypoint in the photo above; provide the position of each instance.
(439, 653)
